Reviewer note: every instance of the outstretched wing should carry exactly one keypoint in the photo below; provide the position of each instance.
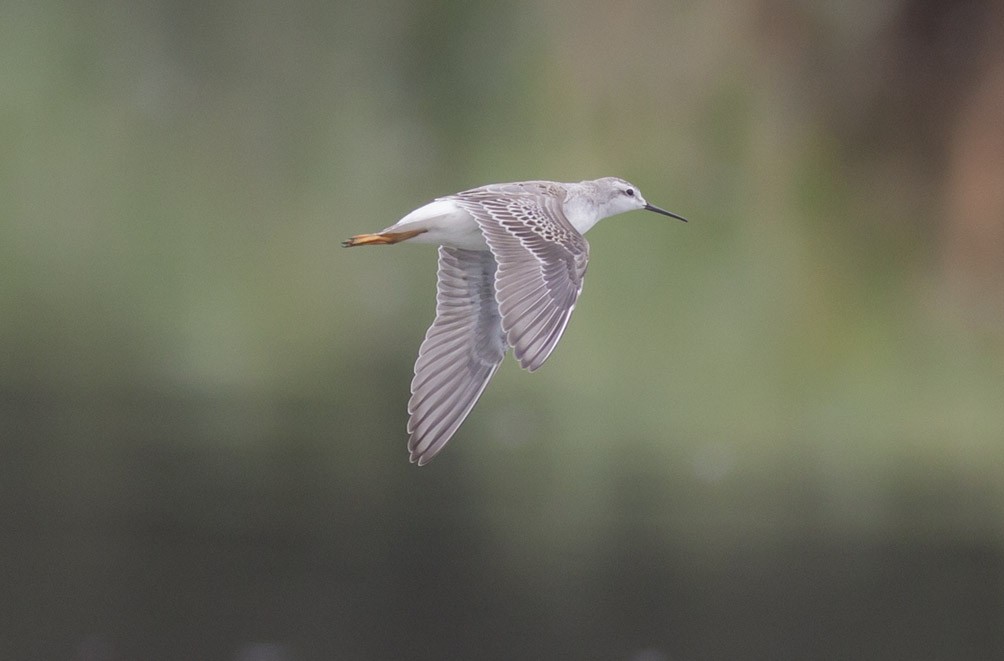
(541, 259)
(460, 353)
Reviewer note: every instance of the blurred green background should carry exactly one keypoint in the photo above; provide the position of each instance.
(776, 432)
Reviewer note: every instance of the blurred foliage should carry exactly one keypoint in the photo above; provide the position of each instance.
(775, 432)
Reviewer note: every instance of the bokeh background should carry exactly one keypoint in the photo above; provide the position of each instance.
(776, 432)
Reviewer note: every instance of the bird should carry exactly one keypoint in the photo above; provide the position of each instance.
(512, 258)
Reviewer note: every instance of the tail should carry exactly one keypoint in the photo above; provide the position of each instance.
(381, 239)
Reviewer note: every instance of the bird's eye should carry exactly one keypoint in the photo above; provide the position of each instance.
(629, 192)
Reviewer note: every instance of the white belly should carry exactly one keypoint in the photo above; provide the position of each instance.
(445, 223)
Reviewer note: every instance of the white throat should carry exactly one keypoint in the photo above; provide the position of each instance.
(582, 213)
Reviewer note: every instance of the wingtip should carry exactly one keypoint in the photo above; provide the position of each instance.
(416, 455)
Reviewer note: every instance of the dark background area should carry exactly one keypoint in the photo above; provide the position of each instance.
(776, 432)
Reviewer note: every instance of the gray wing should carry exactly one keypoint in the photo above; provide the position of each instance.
(460, 353)
(541, 259)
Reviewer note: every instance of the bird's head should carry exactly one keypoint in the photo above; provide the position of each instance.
(614, 195)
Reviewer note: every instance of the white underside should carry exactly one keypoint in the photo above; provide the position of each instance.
(445, 223)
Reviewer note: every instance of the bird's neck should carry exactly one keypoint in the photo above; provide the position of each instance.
(582, 213)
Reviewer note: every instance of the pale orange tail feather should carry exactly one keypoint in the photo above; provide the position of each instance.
(382, 239)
